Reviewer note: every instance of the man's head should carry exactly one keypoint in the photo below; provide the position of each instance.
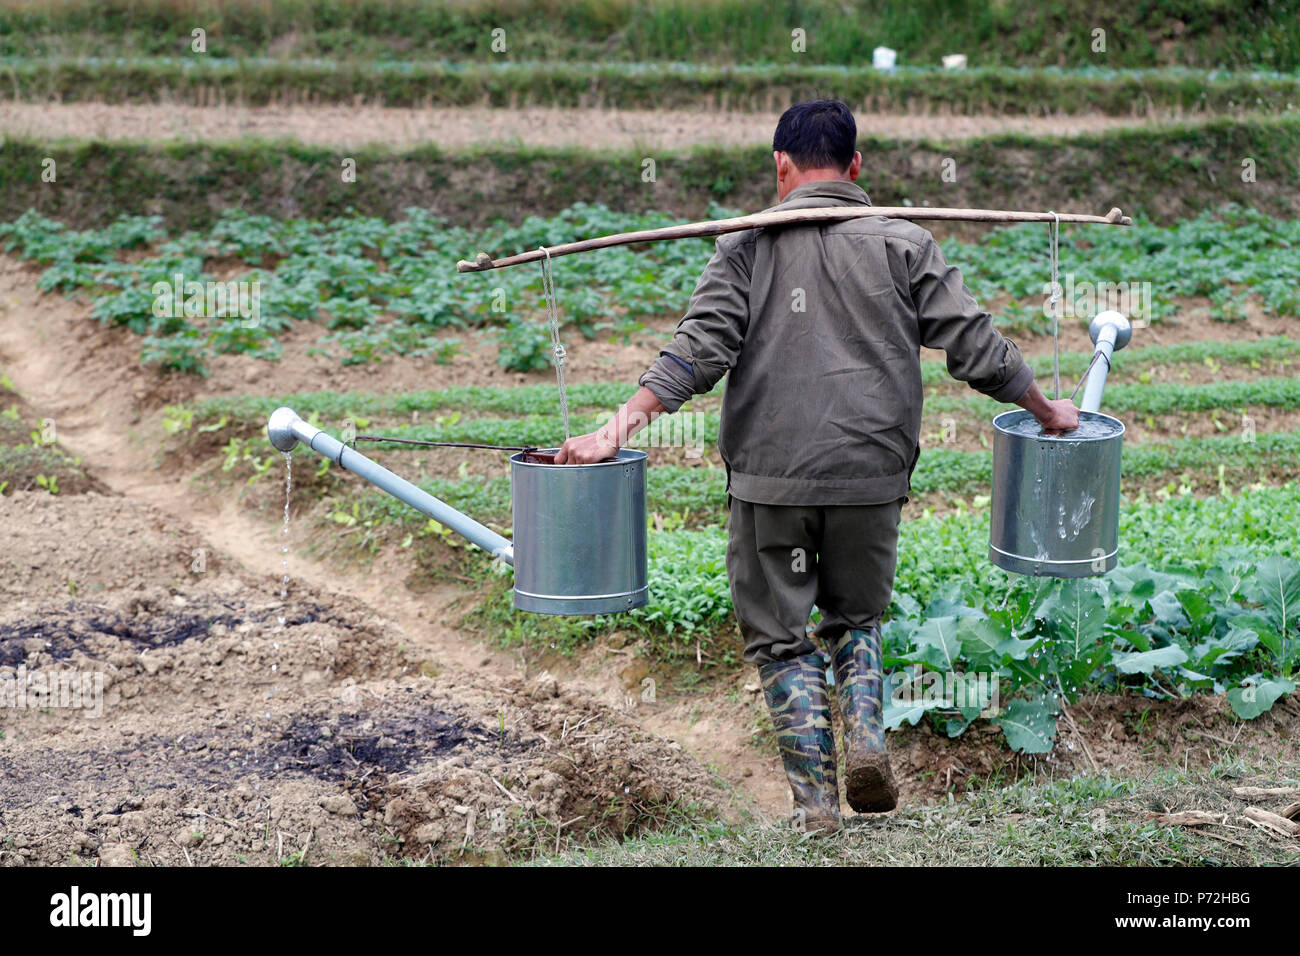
(815, 140)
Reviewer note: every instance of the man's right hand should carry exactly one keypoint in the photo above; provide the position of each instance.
(1061, 416)
(1055, 416)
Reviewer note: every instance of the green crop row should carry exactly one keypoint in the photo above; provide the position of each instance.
(1225, 254)
(541, 399)
(1137, 360)
(694, 497)
(674, 493)
(1168, 398)
(542, 429)
(1231, 630)
(327, 406)
(682, 496)
(330, 272)
(382, 288)
(1237, 457)
(568, 84)
(720, 31)
(701, 492)
(1158, 398)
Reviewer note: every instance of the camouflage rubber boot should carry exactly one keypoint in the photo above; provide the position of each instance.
(801, 717)
(868, 779)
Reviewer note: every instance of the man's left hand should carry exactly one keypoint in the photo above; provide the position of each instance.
(586, 449)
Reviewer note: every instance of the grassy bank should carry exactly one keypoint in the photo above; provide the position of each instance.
(1021, 32)
(1102, 821)
(206, 81)
(1170, 172)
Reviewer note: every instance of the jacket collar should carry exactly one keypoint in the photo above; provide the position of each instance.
(824, 192)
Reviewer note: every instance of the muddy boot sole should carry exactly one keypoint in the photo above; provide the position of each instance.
(822, 826)
(870, 785)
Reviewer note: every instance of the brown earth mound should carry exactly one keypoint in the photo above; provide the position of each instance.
(218, 724)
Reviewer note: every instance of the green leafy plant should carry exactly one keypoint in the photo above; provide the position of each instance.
(524, 347)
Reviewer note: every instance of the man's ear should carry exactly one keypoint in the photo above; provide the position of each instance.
(855, 166)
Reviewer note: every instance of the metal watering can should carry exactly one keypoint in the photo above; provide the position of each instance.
(579, 530)
(1055, 504)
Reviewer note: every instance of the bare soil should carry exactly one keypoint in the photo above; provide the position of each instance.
(241, 727)
(456, 127)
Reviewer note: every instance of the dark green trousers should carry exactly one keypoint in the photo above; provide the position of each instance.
(784, 559)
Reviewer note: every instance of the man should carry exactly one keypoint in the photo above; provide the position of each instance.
(819, 328)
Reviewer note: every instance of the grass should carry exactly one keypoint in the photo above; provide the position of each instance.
(1167, 176)
(1084, 821)
(720, 31)
(31, 460)
(572, 84)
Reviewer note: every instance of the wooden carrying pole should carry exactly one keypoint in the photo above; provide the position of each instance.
(717, 227)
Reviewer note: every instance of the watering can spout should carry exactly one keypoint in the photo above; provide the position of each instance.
(560, 566)
(1109, 331)
(286, 429)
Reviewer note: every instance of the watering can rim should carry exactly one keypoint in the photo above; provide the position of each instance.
(1020, 414)
(624, 456)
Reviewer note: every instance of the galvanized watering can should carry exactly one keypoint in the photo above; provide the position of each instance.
(1055, 504)
(579, 530)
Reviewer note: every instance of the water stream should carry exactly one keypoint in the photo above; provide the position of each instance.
(284, 536)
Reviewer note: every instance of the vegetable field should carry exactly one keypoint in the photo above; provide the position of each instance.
(298, 669)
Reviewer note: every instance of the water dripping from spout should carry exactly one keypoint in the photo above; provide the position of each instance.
(284, 536)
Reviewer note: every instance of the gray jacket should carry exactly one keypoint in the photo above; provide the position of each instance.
(820, 327)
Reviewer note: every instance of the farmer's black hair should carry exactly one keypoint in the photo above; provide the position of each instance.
(819, 134)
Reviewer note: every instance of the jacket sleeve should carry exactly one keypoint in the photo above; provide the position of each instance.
(709, 336)
(950, 319)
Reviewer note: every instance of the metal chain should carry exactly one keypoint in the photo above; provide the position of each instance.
(1053, 240)
(553, 314)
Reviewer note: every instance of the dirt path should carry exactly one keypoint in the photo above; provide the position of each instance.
(451, 128)
(69, 370)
